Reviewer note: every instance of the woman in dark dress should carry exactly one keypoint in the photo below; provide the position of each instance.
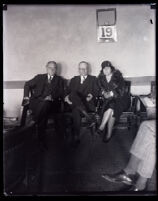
(115, 98)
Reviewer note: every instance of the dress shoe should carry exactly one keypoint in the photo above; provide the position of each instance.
(120, 177)
(106, 139)
(134, 188)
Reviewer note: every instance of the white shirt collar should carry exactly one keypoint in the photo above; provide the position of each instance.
(82, 79)
(50, 76)
(83, 76)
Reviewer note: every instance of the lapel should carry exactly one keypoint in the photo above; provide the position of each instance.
(78, 80)
(42, 80)
(45, 80)
(53, 82)
(111, 84)
(104, 82)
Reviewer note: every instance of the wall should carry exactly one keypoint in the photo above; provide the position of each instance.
(35, 34)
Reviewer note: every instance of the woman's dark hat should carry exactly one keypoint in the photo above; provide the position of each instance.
(106, 64)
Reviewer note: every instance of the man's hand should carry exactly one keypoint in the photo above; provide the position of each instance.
(89, 97)
(25, 101)
(48, 98)
(67, 100)
(26, 98)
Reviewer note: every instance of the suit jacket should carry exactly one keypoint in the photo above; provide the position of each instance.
(88, 86)
(37, 85)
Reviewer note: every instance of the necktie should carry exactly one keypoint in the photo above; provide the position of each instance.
(50, 79)
(83, 79)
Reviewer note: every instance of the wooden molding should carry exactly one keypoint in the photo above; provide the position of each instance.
(135, 81)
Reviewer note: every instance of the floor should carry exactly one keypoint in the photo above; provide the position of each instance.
(65, 169)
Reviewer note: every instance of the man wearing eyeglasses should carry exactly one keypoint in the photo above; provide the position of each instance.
(81, 98)
(46, 90)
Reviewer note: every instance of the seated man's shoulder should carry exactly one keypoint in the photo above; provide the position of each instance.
(93, 77)
(75, 77)
(41, 75)
(59, 77)
(38, 76)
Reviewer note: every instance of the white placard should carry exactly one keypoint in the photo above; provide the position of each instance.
(107, 34)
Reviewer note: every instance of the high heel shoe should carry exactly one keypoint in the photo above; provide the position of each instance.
(106, 139)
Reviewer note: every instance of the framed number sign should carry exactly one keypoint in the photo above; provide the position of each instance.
(106, 25)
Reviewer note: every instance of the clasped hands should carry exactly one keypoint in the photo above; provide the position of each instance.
(88, 98)
(108, 94)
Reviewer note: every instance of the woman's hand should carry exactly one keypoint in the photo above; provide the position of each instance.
(108, 94)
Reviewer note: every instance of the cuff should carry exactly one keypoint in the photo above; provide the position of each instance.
(111, 93)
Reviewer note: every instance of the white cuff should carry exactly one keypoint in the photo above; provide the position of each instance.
(26, 98)
(111, 93)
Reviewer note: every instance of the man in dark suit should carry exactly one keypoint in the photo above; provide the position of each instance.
(81, 96)
(46, 89)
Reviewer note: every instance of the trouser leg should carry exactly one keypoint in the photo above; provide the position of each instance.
(144, 148)
(132, 165)
(76, 115)
(41, 116)
(147, 165)
(60, 126)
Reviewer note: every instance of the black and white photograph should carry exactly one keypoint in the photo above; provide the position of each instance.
(79, 99)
